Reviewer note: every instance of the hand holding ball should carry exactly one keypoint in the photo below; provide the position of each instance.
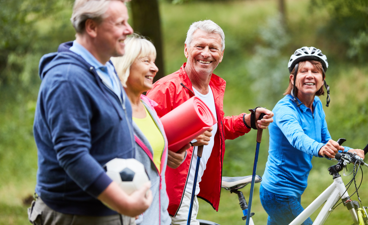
(129, 174)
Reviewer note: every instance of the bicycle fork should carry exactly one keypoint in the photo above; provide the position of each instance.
(359, 214)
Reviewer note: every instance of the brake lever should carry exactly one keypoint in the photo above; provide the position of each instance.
(339, 141)
(342, 140)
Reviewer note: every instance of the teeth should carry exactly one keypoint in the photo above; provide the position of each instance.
(149, 77)
(309, 83)
(204, 62)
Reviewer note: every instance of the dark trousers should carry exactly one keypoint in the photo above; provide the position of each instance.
(40, 214)
(281, 209)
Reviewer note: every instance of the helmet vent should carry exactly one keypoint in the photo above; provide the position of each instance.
(307, 53)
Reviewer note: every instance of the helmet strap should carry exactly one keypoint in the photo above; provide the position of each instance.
(328, 94)
(294, 91)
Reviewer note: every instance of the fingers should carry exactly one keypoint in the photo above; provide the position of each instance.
(261, 110)
(140, 200)
(146, 193)
(174, 159)
(330, 149)
(358, 152)
(335, 145)
(204, 138)
(266, 120)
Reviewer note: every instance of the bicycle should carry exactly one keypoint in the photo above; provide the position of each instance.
(234, 184)
(337, 190)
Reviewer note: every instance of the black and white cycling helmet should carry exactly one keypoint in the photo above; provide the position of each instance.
(307, 53)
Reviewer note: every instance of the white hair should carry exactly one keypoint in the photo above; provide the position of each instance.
(89, 9)
(208, 26)
(136, 46)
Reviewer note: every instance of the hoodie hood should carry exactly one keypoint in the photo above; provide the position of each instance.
(62, 56)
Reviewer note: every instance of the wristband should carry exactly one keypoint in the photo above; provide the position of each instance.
(245, 122)
(253, 117)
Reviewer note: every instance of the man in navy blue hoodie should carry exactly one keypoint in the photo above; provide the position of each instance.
(83, 120)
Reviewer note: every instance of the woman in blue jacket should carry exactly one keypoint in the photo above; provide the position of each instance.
(298, 133)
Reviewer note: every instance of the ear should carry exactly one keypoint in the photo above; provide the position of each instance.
(222, 55)
(91, 28)
(291, 78)
(186, 51)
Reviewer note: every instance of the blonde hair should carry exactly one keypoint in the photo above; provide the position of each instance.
(136, 46)
(89, 9)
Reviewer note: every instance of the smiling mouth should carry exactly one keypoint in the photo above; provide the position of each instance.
(309, 84)
(204, 62)
(149, 77)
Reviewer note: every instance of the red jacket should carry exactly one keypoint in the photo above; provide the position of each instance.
(173, 90)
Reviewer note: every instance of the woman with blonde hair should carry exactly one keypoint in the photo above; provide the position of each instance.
(136, 70)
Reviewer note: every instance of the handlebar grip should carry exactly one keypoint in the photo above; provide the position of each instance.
(338, 156)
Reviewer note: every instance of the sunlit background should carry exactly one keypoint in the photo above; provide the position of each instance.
(260, 36)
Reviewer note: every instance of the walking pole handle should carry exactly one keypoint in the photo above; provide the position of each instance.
(200, 151)
(259, 135)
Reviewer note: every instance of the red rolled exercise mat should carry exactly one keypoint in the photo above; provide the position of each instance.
(186, 122)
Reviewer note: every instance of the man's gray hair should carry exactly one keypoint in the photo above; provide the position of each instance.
(208, 26)
(88, 9)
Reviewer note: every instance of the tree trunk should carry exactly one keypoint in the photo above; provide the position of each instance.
(282, 10)
(146, 22)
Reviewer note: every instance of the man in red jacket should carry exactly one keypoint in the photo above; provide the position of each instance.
(204, 49)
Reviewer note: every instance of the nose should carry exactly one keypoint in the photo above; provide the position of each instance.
(205, 52)
(128, 30)
(154, 68)
(309, 74)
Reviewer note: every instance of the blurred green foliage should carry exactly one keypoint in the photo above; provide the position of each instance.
(254, 67)
(25, 36)
(348, 24)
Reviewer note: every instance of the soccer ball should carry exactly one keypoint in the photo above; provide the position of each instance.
(130, 174)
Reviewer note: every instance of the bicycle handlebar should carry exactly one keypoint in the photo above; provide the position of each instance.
(348, 157)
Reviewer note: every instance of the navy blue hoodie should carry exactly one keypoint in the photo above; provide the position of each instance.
(80, 124)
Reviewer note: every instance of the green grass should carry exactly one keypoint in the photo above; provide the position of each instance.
(241, 21)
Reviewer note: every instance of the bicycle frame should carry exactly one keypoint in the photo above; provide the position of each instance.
(331, 195)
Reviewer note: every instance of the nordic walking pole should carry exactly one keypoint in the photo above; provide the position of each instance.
(199, 156)
(259, 138)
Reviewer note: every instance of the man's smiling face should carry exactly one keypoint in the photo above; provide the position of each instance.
(204, 53)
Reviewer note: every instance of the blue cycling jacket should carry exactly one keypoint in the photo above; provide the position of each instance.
(296, 135)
